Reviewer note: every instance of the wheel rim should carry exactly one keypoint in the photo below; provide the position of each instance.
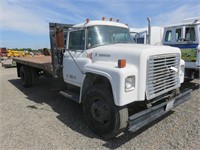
(100, 111)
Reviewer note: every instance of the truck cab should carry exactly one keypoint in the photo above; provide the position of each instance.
(186, 36)
(82, 42)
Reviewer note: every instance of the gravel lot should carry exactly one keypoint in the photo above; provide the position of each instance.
(39, 118)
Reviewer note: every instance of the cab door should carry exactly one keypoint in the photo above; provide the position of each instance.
(75, 58)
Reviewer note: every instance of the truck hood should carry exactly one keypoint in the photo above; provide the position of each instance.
(133, 53)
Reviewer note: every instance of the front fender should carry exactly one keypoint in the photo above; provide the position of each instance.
(117, 77)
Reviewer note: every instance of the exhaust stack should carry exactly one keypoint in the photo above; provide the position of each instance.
(149, 31)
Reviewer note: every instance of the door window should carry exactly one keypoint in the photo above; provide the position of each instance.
(178, 34)
(190, 34)
(77, 40)
(168, 36)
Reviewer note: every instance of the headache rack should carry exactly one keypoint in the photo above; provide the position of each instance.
(58, 38)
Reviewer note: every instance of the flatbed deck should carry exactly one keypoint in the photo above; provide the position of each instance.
(40, 62)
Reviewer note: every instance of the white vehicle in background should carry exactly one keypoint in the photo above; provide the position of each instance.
(186, 36)
(140, 35)
(148, 35)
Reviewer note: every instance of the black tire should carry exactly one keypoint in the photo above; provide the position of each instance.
(101, 114)
(25, 73)
(34, 76)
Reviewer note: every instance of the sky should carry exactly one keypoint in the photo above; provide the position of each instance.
(25, 23)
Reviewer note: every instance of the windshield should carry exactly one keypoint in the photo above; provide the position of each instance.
(103, 35)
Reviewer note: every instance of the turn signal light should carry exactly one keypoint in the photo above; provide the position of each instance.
(122, 63)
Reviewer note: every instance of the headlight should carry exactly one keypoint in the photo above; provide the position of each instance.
(129, 83)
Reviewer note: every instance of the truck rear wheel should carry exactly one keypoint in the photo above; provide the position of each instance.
(25, 74)
(101, 114)
(34, 76)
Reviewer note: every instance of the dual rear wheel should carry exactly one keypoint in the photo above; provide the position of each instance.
(28, 75)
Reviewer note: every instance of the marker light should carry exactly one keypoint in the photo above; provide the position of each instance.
(103, 18)
(122, 63)
(87, 20)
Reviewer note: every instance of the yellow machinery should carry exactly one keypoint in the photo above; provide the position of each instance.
(9, 53)
(13, 53)
(18, 53)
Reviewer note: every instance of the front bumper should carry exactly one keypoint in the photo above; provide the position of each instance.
(145, 117)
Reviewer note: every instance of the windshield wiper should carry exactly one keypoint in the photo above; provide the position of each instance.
(115, 42)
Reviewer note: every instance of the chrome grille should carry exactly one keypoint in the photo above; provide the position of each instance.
(162, 74)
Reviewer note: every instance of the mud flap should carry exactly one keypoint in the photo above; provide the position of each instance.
(143, 118)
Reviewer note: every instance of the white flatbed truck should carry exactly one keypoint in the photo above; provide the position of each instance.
(110, 74)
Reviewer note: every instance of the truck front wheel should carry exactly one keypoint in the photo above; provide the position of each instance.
(25, 74)
(101, 114)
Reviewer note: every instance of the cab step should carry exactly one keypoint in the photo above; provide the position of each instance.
(70, 95)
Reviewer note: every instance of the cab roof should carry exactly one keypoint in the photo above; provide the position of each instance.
(188, 21)
(99, 22)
